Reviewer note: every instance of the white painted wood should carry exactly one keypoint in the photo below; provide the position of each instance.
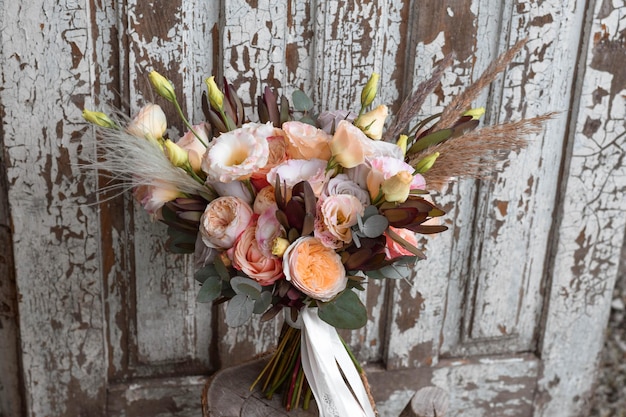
(46, 78)
(100, 302)
(591, 225)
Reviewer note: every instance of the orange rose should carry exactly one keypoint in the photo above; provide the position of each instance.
(306, 142)
(248, 258)
(314, 269)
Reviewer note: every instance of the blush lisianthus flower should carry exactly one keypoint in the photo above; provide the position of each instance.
(248, 257)
(383, 168)
(314, 269)
(223, 220)
(153, 196)
(195, 149)
(294, 171)
(306, 142)
(336, 216)
(268, 229)
(237, 154)
(373, 122)
(351, 147)
(149, 123)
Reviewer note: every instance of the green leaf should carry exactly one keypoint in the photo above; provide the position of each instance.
(301, 101)
(263, 302)
(247, 286)
(430, 140)
(221, 269)
(239, 310)
(210, 290)
(375, 226)
(203, 273)
(346, 311)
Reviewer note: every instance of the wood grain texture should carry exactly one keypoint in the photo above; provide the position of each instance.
(590, 232)
(46, 70)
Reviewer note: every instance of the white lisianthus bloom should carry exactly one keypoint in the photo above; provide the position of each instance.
(237, 154)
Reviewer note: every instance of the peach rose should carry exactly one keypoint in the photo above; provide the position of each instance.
(223, 220)
(314, 269)
(277, 155)
(237, 154)
(150, 122)
(336, 216)
(248, 258)
(393, 249)
(264, 199)
(306, 142)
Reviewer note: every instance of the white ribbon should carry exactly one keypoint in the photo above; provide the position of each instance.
(324, 360)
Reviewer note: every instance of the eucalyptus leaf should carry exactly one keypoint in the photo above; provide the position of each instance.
(346, 311)
(247, 286)
(239, 310)
(301, 101)
(206, 271)
(375, 226)
(221, 269)
(210, 290)
(263, 302)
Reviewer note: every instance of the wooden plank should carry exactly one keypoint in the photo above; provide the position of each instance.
(169, 397)
(509, 256)
(438, 282)
(46, 68)
(10, 360)
(590, 232)
(166, 327)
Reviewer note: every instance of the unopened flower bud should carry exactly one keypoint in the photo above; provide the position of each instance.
(279, 246)
(426, 163)
(402, 143)
(397, 188)
(163, 86)
(475, 113)
(99, 119)
(369, 91)
(177, 155)
(216, 97)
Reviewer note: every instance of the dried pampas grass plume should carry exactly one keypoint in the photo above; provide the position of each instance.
(479, 153)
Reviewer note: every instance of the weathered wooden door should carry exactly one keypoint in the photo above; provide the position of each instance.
(506, 314)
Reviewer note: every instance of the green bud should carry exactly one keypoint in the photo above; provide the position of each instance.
(402, 143)
(177, 155)
(216, 97)
(99, 119)
(163, 86)
(369, 91)
(426, 163)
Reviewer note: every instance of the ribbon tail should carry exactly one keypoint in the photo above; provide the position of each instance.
(326, 363)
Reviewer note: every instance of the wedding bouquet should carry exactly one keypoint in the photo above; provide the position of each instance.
(295, 211)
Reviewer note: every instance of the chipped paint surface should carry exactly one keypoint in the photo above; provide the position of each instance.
(101, 301)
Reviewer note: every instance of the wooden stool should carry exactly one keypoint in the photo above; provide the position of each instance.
(227, 394)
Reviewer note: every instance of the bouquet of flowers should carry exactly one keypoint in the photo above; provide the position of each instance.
(294, 212)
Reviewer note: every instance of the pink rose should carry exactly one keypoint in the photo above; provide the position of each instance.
(293, 171)
(393, 249)
(314, 269)
(237, 154)
(306, 142)
(223, 220)
(264, 199)
(248, 258)
(335, 218)
(268, 229)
